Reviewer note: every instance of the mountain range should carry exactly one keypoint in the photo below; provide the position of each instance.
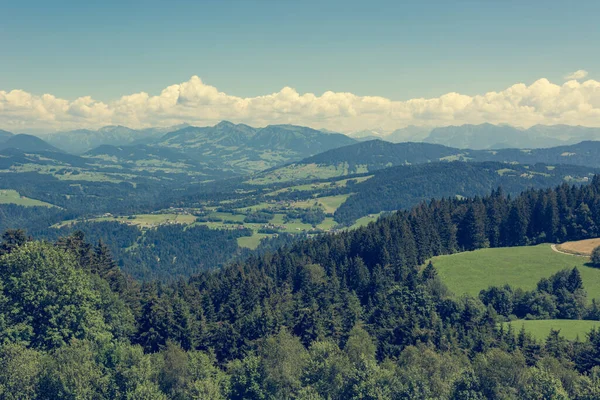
(486, 136)
(81, 140)
(236, 148)
(223, 150)
(239, 149)
(477, 137)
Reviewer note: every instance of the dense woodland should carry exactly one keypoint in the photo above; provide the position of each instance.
(403, 187)
(341, 316)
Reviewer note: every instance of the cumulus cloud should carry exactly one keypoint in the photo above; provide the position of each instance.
(195, 102)
(579, 74)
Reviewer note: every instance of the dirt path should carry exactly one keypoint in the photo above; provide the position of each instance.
(553, 246)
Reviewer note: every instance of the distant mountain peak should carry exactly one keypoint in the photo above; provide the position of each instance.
(111, 128)
(225, 124)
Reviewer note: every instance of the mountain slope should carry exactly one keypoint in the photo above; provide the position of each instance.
(4, 135)
(28, 143)
(377, 154)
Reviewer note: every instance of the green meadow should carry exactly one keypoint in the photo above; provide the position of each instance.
(569, 328)
(522, 267)
(8, 196)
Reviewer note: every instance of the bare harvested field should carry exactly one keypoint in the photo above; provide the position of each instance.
(581, 247)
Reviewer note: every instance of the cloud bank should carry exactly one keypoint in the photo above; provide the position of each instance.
(197, 103)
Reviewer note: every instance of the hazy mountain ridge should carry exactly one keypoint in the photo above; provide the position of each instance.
(243, 149)
(478, 137)
(489, 136)
(26, 142)
(201, 153)
(485, 136)
(81, 140)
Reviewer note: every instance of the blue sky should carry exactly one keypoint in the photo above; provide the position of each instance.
(396, 49)
(341, 65)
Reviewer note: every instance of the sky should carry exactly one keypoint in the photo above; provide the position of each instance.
(343, 65)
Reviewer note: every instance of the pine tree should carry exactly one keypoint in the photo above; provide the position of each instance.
(473, 229)
(11, 239)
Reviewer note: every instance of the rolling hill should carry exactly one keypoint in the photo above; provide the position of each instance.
(374, 155)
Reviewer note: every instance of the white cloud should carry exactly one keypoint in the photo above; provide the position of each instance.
(579, 74)
(194, 102)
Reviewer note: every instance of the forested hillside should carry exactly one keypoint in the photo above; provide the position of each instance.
(402, 187)
(344, 316)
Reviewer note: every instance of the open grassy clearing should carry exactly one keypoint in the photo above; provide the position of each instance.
(8, 196)
(540, 329)
(329, 203)
(580, 247)
(227, 216)
(522, 267)
(366, 220)
(320, 185)
(251, 242)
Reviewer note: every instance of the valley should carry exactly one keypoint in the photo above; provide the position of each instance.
(182, 179)
(219, 224)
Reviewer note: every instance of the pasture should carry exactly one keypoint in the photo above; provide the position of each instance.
(521, 267)
(8, 196)
(540, 329)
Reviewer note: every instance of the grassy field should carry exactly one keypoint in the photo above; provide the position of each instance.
(363, 221)
(329, 203)
(540, 329)
(251, 242)
(319, 185)
(8, 196)
(523, 267)
(581, 247)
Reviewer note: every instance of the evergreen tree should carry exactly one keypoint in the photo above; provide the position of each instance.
(595, 258)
